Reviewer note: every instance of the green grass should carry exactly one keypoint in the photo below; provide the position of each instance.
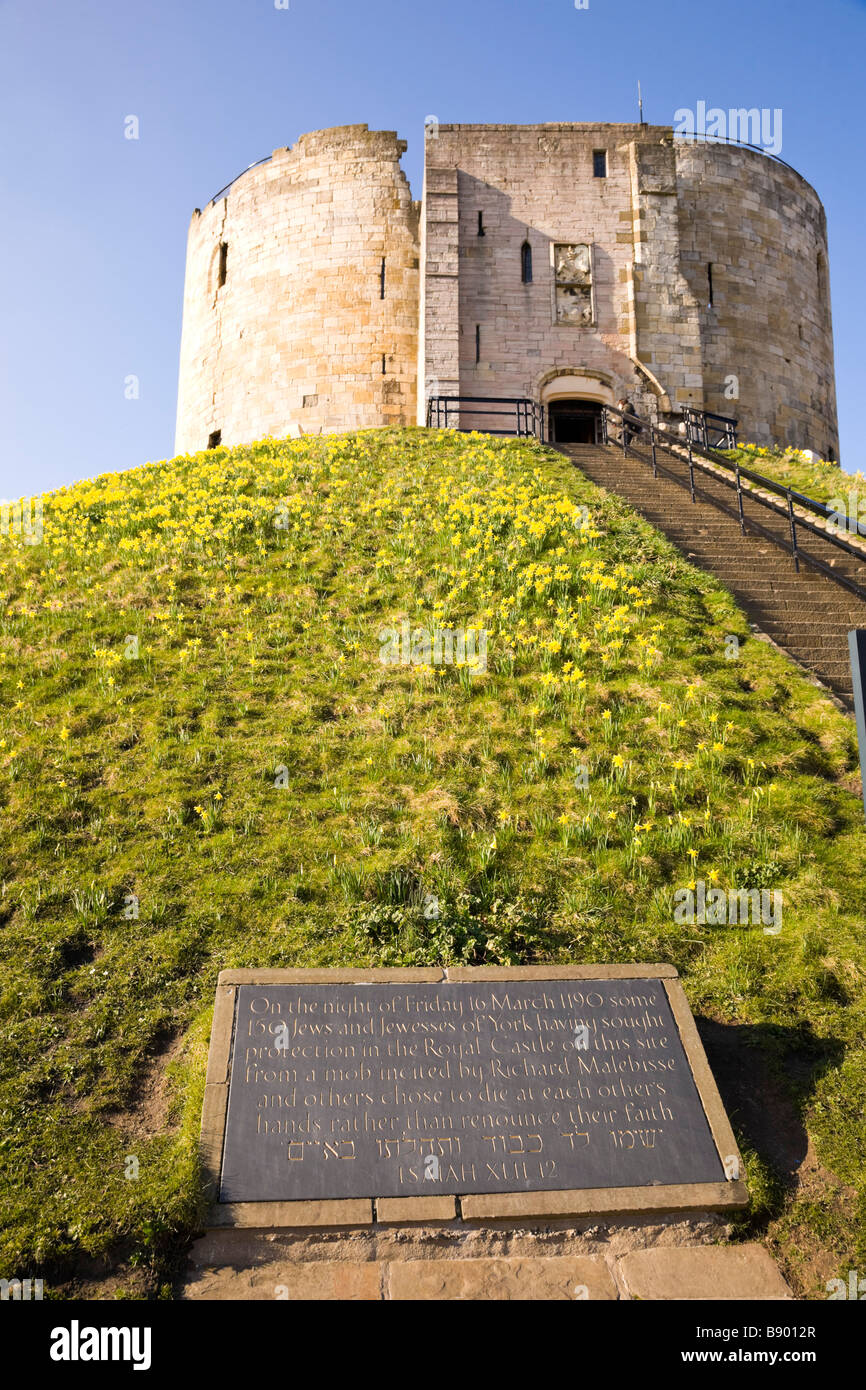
(815, 477)
(260, 789)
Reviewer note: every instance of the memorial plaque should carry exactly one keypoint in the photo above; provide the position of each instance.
(372, 1088)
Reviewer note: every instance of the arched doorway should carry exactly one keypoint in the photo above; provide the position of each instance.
(574, 421)
(572, 400)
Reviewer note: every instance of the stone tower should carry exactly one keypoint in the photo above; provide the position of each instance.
(568, 263)
(301, 295)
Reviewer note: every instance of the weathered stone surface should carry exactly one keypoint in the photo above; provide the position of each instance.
(248, 1251)
(336, 975)
(472, 973)
(513, 1279)
(294, 338)
(398, 1209)
(221, 1036)
(703, 1272)
(316, 1280)
(709, 283)
(249, 1246)
(337, 1212)
(605, 1201)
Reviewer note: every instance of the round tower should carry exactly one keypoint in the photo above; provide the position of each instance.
(301, 295)
(753, 249)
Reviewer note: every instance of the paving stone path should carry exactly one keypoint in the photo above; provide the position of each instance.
(666, 1273)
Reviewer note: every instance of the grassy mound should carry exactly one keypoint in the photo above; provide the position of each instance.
(206, 762)
(813, 476)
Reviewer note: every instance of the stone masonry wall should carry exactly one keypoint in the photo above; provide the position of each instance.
(535, 184)
(665, 210)
(666, 330)
(296, 334)
(763, 230)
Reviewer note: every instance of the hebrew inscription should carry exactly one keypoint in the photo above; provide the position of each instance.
(384, 1090)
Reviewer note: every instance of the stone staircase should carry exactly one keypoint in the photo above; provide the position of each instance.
(808, 614)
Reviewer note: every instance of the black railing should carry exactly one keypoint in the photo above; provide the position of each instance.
(526, 416)
(255, 164)
(713, 431)
(633, 435)
(691, 137)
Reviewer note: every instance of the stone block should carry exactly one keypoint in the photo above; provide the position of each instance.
(311, 1281)
(702, 1272)
(395, 1210)
(577, 1279)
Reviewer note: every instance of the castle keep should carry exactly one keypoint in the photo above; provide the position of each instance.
(571, 264)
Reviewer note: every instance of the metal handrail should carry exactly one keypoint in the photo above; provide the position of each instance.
(528, 414)
(255, 164)
(685, 138)
(698, 428)
(710, 463)
(801, 498)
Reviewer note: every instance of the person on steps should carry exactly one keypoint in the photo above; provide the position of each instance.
(627, 408)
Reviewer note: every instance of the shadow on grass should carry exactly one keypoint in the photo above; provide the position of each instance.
(766, 1074)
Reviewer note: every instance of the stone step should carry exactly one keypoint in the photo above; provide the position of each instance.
(759, 573)
(819, 614)
(828, 654)
(807, 614)
(799, 626)
(661, 1273)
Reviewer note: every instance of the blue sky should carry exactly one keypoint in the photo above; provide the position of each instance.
(93, 232)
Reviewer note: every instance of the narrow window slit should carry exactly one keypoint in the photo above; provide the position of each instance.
(823, 287)
(526, 263)
(481, 224)
(382, 280)
(224, 254)
(477, 343)
(709, 284)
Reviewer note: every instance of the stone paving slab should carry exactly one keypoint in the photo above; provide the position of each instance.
(306, 1281)
(586, 1278)
(402, 1209)
(341, 1211)
(659, 1274)
(697, 1272)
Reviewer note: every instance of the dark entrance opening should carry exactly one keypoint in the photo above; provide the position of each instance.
(574, 422)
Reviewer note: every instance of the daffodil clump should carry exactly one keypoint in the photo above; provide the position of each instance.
(816, 477)
(204, 763)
